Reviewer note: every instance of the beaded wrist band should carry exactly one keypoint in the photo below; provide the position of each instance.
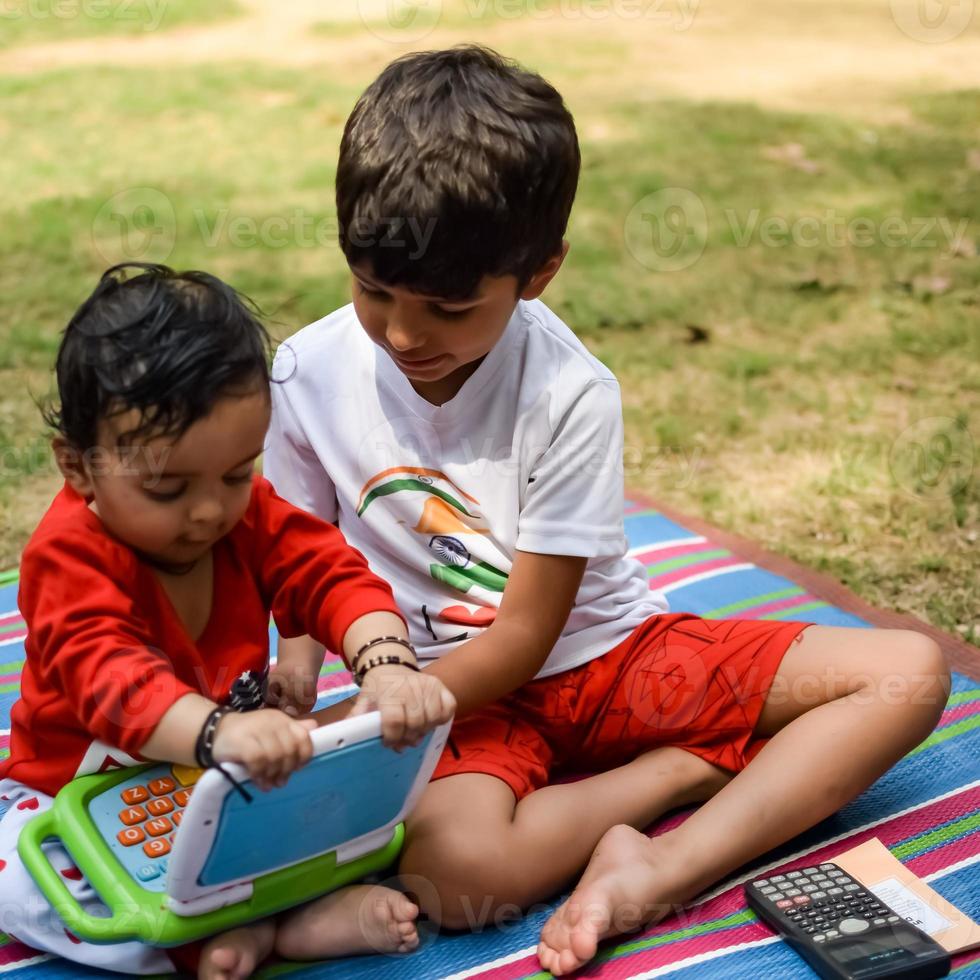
(380, 661)
(204, 749)
(377, 642)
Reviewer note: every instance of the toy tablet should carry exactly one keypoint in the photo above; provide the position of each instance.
(177, 854)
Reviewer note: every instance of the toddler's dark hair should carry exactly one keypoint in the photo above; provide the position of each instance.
(469, 145)
(166, 343)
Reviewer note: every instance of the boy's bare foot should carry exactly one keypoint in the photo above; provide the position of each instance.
(358, 919)
(236, 954)
(629, 883)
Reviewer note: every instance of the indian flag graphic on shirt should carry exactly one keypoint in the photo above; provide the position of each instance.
(449, 520)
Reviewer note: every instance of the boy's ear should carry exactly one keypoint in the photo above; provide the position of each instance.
(545, 274)
(71, 462)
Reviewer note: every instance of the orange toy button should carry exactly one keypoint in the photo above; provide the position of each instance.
(182, 796)
(187, 775)
(134, 815)
(156, 848)
(178, 816)
(161, 787)
(159, 827)
(135, 794)
(131, 836)
(159, 807)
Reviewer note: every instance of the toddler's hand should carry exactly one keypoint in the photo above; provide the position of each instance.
(411, 703)
(291, 688)
(269, 743)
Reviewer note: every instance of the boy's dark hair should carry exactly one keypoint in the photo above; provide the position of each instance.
(469, 145)
(166, 343)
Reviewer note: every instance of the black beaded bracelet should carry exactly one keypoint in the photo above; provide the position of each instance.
(204, 749)
(381, 661)
(377, 642)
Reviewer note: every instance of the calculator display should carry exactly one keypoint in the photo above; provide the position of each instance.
(894, 946)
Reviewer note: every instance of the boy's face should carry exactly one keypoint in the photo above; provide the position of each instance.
(434, 342)
(172, 499)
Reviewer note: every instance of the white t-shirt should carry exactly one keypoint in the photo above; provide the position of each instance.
(527, 456)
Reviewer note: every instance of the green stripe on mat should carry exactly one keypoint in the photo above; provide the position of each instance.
(15, 626)
(756, 600)
(9, 576)
(962, 697)
(791, 613)
(681, 560)
(945, 734)
(13, 666)
(939, 835)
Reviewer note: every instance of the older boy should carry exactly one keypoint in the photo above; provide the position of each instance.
(469, 445)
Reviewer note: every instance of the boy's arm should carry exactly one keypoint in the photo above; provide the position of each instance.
(540, 593)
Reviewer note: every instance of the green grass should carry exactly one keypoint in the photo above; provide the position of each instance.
(774, 386)
(32, 21)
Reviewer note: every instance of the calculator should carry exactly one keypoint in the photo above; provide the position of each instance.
(178, 854)
(841, 929)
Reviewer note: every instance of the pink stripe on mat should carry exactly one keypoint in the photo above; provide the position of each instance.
(731, 900)
(330, 681)
(676, 574)
(664, 554)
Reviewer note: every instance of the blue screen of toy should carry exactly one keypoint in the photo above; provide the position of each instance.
(336, 798)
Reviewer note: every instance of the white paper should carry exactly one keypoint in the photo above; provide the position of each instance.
(909, 906)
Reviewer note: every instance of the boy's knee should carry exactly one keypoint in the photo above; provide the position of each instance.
(460, 882)
(925, 669)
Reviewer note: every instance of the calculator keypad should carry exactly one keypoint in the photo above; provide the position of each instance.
(139, 819)
(824, 902)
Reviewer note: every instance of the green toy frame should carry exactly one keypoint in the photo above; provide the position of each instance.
(143, 915)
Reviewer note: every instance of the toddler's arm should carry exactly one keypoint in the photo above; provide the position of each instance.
(269, 743)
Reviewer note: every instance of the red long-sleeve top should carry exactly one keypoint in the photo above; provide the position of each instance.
(107, 655)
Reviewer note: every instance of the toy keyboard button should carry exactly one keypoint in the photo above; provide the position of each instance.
(156, 848)
(161, 787)
(182, 796)
(177, 817)
(851, 927)
(131, 836)
(132, 816)
(159, 807)
(148, 872)
(134, 795)
(158, 827)
(163, 865)
(187, 775)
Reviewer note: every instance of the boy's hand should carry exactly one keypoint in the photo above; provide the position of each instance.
(411, 703)
(269, 743)
(292, 689)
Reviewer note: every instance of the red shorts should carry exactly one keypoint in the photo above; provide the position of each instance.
(678, 679)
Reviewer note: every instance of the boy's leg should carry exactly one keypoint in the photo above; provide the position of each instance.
(846, 704)
(474, 855)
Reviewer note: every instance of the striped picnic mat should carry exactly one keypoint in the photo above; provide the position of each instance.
(926, 809)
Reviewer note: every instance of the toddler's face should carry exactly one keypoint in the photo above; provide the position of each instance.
(430, 339)
(172, 499)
